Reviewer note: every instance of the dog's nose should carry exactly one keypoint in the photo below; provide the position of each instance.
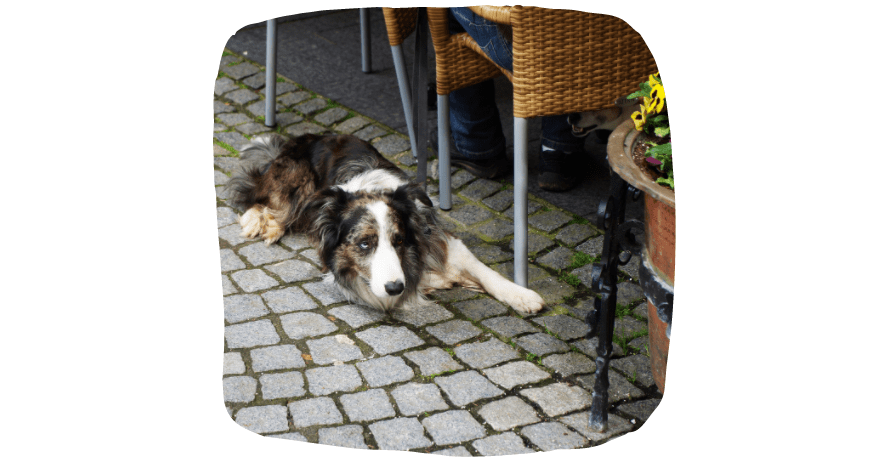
(394, 288)
(573, 117)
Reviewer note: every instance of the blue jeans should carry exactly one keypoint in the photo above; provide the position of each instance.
(476, 127)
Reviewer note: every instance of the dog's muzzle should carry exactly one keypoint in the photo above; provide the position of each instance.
(394, 288)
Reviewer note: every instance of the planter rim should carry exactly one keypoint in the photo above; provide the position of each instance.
(618, 148)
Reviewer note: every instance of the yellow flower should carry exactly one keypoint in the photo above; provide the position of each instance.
(656, 101)
(655, 79)
(639, 120)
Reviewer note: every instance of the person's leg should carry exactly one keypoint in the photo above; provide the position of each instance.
(561, 152)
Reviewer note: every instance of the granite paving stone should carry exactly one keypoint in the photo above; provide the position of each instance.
(280, 357)
(589, 347)
(566, 327)
(241, 389)
(228, 164)
(233, 363)
(389, 339)
(220, 107)
(351, 125)
(333, 349)
(356, 316)
(485, 354)
(592, 247)
(312, 255)
(289, 436)
(238, 308)
(251, 334)
(343, 436)
(496, 229)
(253, 280)
(535, 243)
(217, 149)
(288, 299)
(467, 387)
(255, 81)
(253, 128)
(481, 188)
(574, 234)
(632, 268)
(570, 363)
(423, 315)
(416, 398)
(480, 308)
(516, 373)
(263, 419)
(500, 201)
(584, 274)
(232, 138)
(282, 385)
(326, 292)
(641, 344)
(281, 88)
(615, 425)
(454, 295)
(508, 413)
(327, 380)
(281, 119)
(229, 261)
(641, 409)
(453, 332)
(557, 259)
(501, 445)
(459, 451)
(392, 145)
(228, 287)
(627, 327)
(306, 325)
(385, 371)
(541, 344)
(636, 367)
(460, 178)
(452, 427)
(399, 434)
(470, 214)
(552, 290)
(294, 270)
(558, 399)
(331, 116)
(619, 388)
(259, 253)
(627, 293)
(531, 207)
(219, 178)
(369, 405)
(549, 220)
(370, 132)
(232, 119)
(240, 71)
(292, 98)
(295, 241)
(303, 128)
(314, 411)
(223, 85)
(553, 436)
(534, 273)
(490, 254)
(433, 360)
(241, 96)
(311, 106)
(509, 326)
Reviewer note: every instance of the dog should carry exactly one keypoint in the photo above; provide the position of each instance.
(604, 119)
(377, 233)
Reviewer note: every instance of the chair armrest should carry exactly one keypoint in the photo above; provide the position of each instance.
(496, 14)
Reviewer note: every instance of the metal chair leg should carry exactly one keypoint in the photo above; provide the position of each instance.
(521, 182)
(365, 33)
(271, 39)
(419, 115)
(445, 159)
(404, 94)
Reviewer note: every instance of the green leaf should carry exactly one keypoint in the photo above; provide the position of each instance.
(662, 131)
(660, 150)
(658, 119)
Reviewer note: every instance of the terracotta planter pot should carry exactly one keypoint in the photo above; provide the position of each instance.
(658, 253)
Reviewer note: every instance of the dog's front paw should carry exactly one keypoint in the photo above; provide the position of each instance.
(525, 300)
(251, 223)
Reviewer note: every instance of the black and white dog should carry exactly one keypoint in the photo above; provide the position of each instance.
(377, 233)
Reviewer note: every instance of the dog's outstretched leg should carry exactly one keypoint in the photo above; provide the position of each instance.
(260, 221)
(469, 271)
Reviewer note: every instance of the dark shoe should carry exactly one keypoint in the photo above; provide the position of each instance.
(558, 171)
(484, 168)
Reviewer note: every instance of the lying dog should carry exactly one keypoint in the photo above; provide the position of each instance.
(377, 233)
(606, 118)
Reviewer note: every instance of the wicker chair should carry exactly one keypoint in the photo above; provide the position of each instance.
(564, 61)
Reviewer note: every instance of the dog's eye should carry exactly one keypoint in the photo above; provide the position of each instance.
(399, 240)
(363, 245)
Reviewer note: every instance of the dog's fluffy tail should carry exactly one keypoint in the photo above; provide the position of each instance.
(256, 157)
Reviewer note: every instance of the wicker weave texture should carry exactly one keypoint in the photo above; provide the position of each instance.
(400, 23)
(568, 61)
(456, 65)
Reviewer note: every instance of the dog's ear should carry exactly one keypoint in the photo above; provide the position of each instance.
(412, 192)
(327, 210)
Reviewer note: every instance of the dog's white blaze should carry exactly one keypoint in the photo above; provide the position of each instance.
(373, 180)
(385, 264)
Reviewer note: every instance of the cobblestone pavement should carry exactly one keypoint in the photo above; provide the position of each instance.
(463, 376)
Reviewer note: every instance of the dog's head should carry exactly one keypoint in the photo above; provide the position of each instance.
(606, 118)
(369, 242)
